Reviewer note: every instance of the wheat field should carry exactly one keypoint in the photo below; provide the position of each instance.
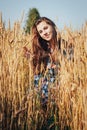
(20, 107)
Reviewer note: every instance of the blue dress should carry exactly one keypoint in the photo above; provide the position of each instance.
(46, 79)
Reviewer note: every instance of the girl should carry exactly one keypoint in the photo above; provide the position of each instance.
(45, 44)
(45, 48)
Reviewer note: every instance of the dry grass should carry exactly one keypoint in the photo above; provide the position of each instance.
(19, 102)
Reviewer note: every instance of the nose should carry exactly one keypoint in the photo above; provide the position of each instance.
(44, 33)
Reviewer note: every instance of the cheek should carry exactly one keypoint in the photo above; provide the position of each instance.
(51, 30)
(51, 33)
(41, 35)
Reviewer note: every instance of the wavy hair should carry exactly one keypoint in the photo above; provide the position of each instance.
(40, 46)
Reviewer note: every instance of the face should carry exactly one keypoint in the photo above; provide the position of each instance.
(45, 31)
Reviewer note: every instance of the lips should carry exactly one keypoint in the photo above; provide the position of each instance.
(47, 36)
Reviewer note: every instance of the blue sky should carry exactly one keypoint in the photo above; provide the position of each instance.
(62, 12)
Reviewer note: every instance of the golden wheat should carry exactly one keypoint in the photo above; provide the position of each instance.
(19, 101)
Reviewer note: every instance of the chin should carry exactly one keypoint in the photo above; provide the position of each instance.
(48, 39)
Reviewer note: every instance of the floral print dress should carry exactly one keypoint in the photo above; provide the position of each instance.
(46, 79)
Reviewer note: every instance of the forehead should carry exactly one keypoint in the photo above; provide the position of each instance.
(41, 25)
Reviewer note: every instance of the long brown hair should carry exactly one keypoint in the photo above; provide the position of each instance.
(40, 46)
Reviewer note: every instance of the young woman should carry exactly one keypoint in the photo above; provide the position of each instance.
(45, 44)
(45, 48)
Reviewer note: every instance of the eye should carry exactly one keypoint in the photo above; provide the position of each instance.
(45, 27)
(40, 31)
